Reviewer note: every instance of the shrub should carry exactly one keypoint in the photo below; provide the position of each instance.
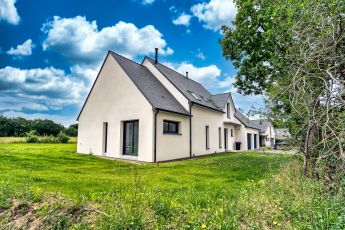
(31, 137)
(62, 138)
(48, 139)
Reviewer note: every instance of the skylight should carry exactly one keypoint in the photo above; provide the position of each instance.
(193, 94)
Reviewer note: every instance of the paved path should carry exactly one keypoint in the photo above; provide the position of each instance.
(294, 151)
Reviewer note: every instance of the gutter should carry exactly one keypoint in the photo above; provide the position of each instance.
(155, 137)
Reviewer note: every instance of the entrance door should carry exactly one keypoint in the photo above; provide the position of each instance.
(255, 137)
(249, 141)
(272, 142)
(226, 139)
(130, 138)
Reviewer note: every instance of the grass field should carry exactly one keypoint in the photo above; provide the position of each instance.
(9, 140)
(50, 186)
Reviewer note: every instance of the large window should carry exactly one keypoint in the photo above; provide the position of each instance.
(170, 127)
(130, 137)
(228, 110)
(207, 137)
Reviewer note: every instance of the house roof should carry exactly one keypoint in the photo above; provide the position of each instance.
(245, 120)
(150, 86)
(262, 124)
(221, 99)
(282, 134)
(187, 86)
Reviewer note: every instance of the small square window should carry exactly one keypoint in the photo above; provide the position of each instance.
(170, 127)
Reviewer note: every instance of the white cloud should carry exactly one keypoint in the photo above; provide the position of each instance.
(183, 19)
(82, 42)
(147, 2)
(215, 13)
(8, 12)
(227, 83)
(49, 86)
(200, 55)
(24, 49)
(200, 74)
(36, 106)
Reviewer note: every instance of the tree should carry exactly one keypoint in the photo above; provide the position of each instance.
(47, 127)
(72, 130)
(293, 52)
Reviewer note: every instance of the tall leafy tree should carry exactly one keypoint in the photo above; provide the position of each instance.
(294, 53)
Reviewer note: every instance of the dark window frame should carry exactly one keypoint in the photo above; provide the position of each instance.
(170, 131)
(232, 132)
(105, 137)
(207, 137)
(220, 137)
(228, 110)
(133, 153)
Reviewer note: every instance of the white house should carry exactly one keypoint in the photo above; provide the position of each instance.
(267, 132)
(149, 112)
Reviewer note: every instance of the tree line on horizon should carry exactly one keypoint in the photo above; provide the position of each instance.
(19, 127)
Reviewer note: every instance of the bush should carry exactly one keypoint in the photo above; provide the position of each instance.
(31, 137)
(62, 138)
(48, 139)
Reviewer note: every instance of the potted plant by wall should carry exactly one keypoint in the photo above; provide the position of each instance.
(238, 145)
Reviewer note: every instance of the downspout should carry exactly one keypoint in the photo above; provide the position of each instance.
(190, 129)
(155, 137)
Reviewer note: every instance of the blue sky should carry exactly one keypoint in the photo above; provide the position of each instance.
(51, 50)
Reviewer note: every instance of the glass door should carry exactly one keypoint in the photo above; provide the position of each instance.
(130, 138)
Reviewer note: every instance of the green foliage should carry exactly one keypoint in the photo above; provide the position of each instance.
(31, 137)
(72, 130)
(224, 191)
(48, 139)
(18, 127)
(46, 127)
(294, 53)
(62, 138)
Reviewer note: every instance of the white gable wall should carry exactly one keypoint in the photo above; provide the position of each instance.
(115, 99)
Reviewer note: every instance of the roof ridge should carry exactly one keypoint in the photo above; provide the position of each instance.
(125, 57)
(177, 72)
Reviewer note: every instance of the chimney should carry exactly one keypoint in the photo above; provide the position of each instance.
(156, 55)
(187, 74)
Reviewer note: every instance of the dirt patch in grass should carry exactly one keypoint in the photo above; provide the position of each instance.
(52, 211)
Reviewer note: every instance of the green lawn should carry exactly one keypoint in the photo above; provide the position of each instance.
(61, 189)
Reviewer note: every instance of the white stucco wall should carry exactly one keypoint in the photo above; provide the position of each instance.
(201, 118)
(172, 146)
(252, 131)
(115, 99)
(269, 133)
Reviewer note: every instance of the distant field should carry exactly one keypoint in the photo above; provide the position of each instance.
(51, 187)
(7, 140)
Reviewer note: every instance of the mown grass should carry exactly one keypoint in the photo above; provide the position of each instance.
(223, 191)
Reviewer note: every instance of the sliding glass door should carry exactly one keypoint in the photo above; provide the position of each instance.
(130, 137)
